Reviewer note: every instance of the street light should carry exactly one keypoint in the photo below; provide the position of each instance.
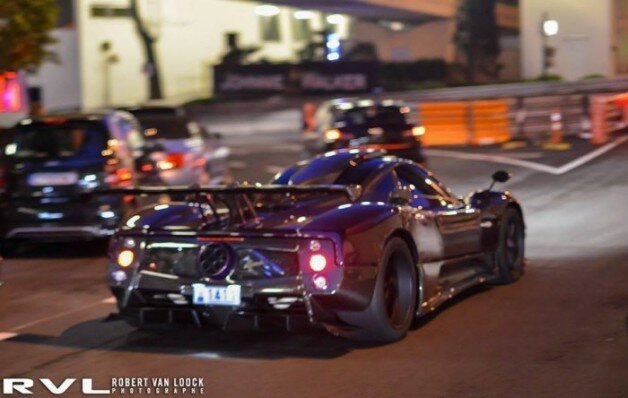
(549, 28)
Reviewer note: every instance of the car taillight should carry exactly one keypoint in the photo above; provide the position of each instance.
(317, 262)
(125, 258)
(415, 132)
(116, 175)
(3, 179)
(172, 161)
(332, 135)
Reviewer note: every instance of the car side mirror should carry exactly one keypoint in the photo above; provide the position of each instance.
(501, 177)
(401, 197)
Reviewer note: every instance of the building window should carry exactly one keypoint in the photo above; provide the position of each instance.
(270, 27)
(102, 11)
(301, 28)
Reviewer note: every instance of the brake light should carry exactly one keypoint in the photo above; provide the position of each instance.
(415, 132)
(125, 258)
(124, 174)
(3, 180)
(333, 135)
(147, 168)
(172, 161)
(318, 262)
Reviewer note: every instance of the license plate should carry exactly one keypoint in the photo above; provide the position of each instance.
(216, 295)
(47, 179)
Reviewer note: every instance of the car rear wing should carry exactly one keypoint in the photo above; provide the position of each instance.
(352, 192)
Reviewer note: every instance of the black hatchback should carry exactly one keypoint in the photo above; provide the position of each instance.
(364, 124)
(45, 164)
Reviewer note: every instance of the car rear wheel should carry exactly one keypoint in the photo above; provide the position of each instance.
(392, 307)
(509, 257)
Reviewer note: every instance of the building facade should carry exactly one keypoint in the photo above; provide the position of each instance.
(592, 39)
(102, 60)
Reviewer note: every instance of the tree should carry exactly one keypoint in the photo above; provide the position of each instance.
(148, 42)
(477, 38)
(25, 27)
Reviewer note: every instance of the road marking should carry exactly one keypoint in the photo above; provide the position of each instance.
(592, 155)
(7, 336)
(274, 169)
(59, 315)
(491, 158)
(527, 164)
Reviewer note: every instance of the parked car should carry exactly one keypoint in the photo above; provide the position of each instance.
(364, 124)
(45, 163)
(354, 241)
(190, 154)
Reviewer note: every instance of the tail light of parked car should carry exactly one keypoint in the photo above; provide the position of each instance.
(117, 176)
(415, 132)
(334, 135)
(3, 178)
(172, 161)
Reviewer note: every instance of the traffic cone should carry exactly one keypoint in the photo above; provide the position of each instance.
(599, 128)
(556, 142)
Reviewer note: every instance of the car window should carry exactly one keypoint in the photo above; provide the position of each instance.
(373, 116)
(170, 128)
(63, 140)
(130, 134)
(418, 182)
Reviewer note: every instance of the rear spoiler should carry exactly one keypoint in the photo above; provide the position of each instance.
(352, 192)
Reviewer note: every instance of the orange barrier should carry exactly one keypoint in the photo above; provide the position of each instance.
(491, 124)
(446, 123)
(462, 123)
(606, 116)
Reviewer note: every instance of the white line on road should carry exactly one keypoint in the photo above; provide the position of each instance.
(59, 315)
(592, 155)
(491, 158)
(7, 336)
(527, 164)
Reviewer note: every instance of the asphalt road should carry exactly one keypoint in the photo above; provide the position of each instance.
(561, 331)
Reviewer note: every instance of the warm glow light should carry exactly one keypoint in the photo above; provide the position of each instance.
(267, 10)
(303, 14)
(418, 131)
(150, 132)
(125, 258)
(550, 27)
(172, 161)
(333, 135)
(318, 262)
(335, 19)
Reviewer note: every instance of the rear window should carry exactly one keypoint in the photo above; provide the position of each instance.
(372, 116)
(169, 128)
(72, 139)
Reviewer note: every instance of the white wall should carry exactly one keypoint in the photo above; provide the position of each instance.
(583, 43)
(428, 40)
(191, 38)
(59, 82)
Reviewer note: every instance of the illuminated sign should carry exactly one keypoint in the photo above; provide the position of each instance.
(11, 94)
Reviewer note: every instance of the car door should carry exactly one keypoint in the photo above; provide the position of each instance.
(457, 225)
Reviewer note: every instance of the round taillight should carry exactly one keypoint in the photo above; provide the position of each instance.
(125, 258)
(320, 282)
(318, 262)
